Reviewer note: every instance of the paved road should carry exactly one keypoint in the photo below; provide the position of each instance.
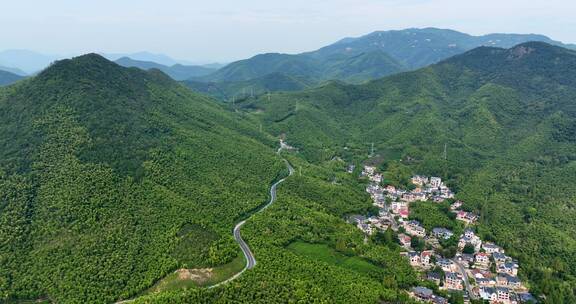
(465, 275)
(250, 259)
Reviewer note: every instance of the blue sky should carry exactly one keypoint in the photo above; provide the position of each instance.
(225, 30)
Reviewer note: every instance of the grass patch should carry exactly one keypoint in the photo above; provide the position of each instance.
(322, 252)
(192, 278)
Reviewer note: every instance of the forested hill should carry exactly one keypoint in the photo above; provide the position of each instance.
(355, 68)
(7, 78)
(108, 175)
(506, 118)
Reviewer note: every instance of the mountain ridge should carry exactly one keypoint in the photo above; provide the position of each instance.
(401, 50)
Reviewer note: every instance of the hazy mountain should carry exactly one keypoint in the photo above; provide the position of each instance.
(7, 78)
(416, 48)
(176, 71)
(371, 56)
(144, 56)
(13, 71)
(25, 60)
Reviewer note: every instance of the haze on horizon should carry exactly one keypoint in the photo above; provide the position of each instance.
(226, 30)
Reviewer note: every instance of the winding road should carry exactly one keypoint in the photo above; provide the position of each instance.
(250, 259)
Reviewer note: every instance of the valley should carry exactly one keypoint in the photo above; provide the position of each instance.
(421, 165)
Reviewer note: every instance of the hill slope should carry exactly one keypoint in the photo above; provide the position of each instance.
(355, 68)
(227, 91)
(176, 71)
(108, 175)
(507, 120)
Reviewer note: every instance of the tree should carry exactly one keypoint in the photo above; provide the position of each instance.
(417, 243)
(468, 249)
(456, 297)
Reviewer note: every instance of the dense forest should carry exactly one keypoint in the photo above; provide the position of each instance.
(498, 124)
(112, 178)
(306, 252)
(103, 169)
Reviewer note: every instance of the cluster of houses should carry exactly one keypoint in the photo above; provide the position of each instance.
(426, 189)
(469, 218)
(483, 271)
(427, 295)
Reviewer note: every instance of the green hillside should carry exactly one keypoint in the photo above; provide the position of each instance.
(237, 90)
(307, 253)
(111, 178)
(506, 120)
(352, 68)
(108, 174)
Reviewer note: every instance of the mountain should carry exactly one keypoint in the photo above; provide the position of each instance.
(415, 48)
(176, 71)
(355, 68)
(28, 61)
(13, 71)
(372, 56)
(274, 82)
(498, 124)
(144, 56)
(111, 178)
(7, 78)
(118, 182)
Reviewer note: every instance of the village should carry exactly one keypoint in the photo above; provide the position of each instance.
(479, 270)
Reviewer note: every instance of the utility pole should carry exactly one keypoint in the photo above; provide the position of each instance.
(445, 149)
(372, 150)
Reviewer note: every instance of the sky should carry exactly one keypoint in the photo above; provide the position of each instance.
(227, 30)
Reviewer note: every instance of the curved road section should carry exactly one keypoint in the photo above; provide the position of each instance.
(250, 259)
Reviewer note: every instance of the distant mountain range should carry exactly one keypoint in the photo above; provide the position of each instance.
(369, 57)
(29, 62)
(415, 48)
(176, 71)
(26, 62)
(353, 60)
